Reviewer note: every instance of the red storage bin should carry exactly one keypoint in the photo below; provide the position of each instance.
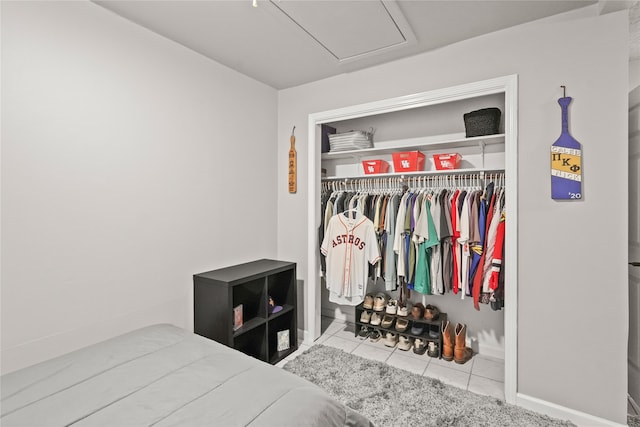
(408, 161)
(375, 166)
(446, 161)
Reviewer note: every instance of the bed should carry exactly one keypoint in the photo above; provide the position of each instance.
(162, 375)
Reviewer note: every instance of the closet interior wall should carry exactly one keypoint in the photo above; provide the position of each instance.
(486, 326)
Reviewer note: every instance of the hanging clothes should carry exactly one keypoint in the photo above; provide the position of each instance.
(446, 237)
(436, 236)
(391, 259)
(435, 253)
(426, 238)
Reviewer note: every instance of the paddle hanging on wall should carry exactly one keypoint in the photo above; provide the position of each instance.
(566, 160)
(292, 163)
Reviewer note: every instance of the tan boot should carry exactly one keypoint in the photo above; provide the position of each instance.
(447, 341)
(461, 353)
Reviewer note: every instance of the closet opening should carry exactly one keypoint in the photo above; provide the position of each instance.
(427, 122)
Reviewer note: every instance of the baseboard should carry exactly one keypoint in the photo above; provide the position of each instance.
(491, 351)
(633, 404)
(336, 314)
(302, 337)
(306, 338)
(563, 413)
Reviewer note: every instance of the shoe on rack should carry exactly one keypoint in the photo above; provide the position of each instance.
(431, 312)
(434, 331)
(402, 325)
(419, 346)
(404, 343)
(432, 349)
(374, 335)
(365, 317)
(391, 339)
(387, 321)
(364, 333)
(403, 310)
(368, 302)
(392, 306)
(380, 301)
(417, 311)
(417, 328)
(376, 319)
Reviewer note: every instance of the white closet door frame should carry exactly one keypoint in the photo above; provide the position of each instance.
(507, 85)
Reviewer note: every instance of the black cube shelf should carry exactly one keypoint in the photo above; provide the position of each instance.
(216, 293)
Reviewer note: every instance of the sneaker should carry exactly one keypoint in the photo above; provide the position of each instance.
(417, 328)
(402, 325)
(392, 306)
(376, 319)
(368, 302)
(365, 317)
(391, 339)
(403, 310)
(387, 321)
(419, 346)
(374, 335)
(380, 302)
(404, 343)
(364, 333)
(432, 349)
(434, 331)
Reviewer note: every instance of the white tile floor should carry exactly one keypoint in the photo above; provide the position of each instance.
(482, 374)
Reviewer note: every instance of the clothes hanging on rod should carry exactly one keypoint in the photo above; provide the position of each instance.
(435, 234)
(350, 246)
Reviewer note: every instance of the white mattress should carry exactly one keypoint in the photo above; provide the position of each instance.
(164, 376)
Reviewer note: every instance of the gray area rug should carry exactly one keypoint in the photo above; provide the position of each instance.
(390, 396)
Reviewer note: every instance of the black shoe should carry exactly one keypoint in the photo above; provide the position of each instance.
(434, 331)
(364, 332)
(419, 346)
(417, 329)
(433, 352)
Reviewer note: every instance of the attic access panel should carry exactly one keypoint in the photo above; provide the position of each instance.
(349, 29)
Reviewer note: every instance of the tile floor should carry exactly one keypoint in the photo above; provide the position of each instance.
(482, 374)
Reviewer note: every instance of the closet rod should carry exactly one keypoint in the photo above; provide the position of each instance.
(415, 174)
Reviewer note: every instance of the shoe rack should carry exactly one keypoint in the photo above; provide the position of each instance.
(433, 326)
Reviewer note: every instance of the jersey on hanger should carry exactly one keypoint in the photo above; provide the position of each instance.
(350, 245)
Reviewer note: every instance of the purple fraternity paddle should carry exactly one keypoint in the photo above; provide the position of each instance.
(566, 160)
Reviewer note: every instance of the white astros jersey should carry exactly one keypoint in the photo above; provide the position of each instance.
(349, 244)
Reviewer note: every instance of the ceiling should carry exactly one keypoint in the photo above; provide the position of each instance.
(285, 43)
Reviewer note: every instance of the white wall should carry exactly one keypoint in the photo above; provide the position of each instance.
(572, 318)
(129, 163)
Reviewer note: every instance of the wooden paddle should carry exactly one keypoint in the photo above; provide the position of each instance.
(292, 163)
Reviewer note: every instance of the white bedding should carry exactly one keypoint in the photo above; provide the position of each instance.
(164, 376)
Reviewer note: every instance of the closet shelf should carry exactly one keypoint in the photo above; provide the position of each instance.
(456, 140)
(417, 173)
